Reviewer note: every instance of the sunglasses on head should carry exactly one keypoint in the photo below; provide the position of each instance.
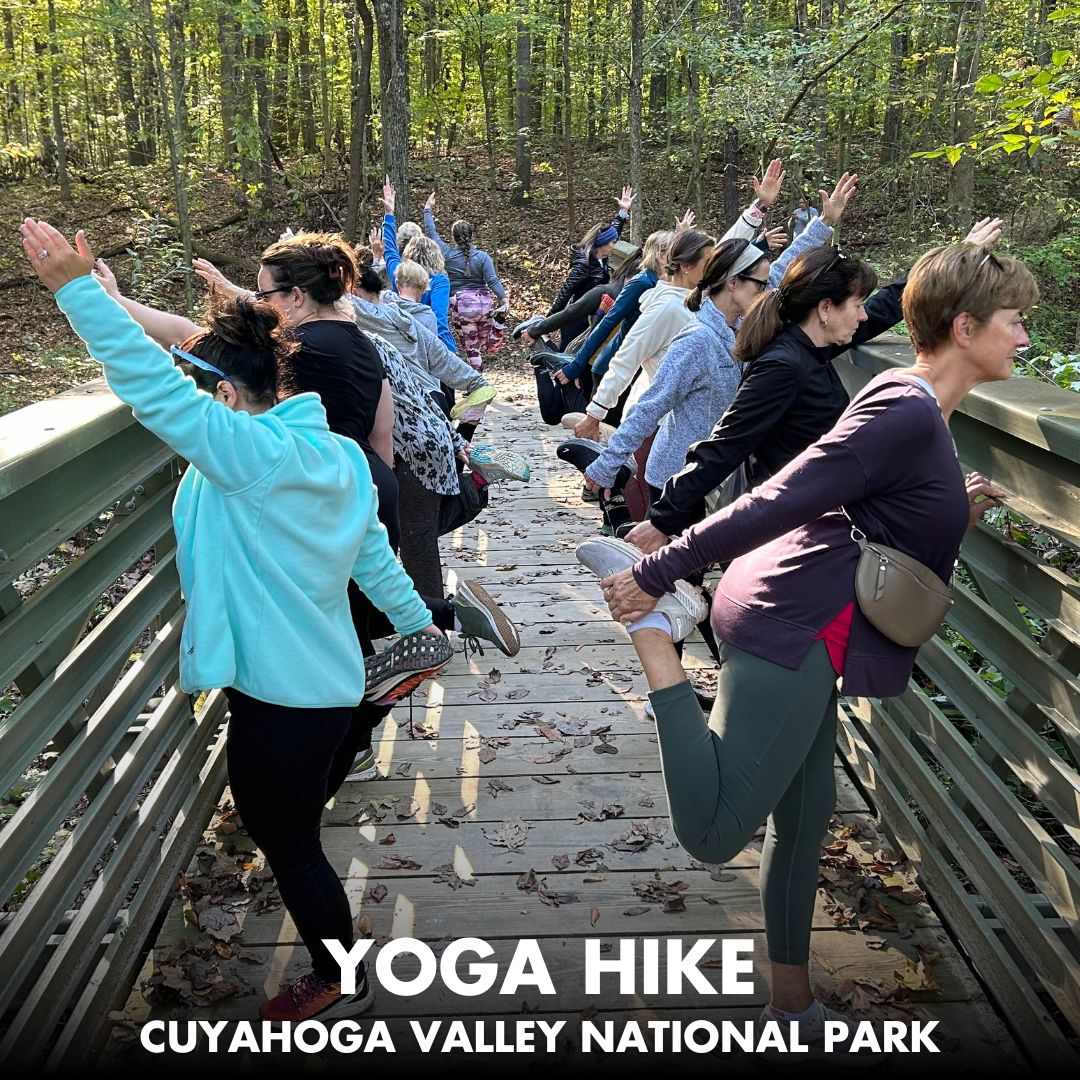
(192, 359)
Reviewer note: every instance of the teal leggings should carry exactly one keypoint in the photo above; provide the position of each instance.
(766, 751)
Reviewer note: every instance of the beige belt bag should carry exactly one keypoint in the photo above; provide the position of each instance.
(900, 596)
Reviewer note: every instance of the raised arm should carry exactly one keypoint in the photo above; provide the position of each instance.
(232, 449)
(766, 191)
(165, 328)
(429, 226)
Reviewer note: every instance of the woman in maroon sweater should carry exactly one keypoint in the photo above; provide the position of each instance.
(785, 608)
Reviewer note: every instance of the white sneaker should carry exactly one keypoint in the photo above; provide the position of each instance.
(572, 419)
(684, 606)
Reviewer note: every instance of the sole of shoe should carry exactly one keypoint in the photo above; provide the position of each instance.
(504, 466)
(396, 684)
(353, 1005)
(370, 773)
(481, 396)
(506, 635)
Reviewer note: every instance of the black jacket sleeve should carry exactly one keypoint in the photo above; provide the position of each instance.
(579, 272)
(767, 391)
(582, 308)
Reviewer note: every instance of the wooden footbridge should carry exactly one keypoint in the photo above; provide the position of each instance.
(522, 798)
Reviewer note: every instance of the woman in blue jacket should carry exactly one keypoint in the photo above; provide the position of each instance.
(267, 614)
(437, 294)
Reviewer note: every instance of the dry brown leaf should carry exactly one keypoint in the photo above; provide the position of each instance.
(594, 916)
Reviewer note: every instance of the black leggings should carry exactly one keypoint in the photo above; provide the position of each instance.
(280, 760)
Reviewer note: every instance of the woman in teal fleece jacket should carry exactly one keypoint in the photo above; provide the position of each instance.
(267, 612)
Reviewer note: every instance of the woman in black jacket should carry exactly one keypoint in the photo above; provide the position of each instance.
(790, 393)
(588, 265)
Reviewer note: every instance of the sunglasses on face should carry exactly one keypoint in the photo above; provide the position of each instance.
(192, 359)
(762, 284)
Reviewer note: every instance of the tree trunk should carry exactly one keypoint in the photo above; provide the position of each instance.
(305, 80)
(168, 110)
(968, 41)
(324, 91)
(537, 83)
(57, 118)
(174, 30)
(891, 140)
(361, 53)
(228, 87)
(568, 141)
(822, 94)
(590, 74)
(694, 115)
(261, 44)
(633, 120)
(125, 84)
(13, 99)
(394, 111)
(522, 110)
(281, 124)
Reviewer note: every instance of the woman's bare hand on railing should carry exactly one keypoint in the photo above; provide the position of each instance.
(982, 496)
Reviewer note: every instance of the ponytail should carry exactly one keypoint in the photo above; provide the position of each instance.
(761, 323)
(686, 250)
(722, 264)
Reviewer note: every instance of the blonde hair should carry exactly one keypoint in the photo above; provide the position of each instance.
(411, 275)
(959, 279)
(426, 252)
(654, 253)
(406, 231)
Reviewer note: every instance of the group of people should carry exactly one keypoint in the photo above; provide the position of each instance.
(328, 421)
(712, 427)
(329, 424)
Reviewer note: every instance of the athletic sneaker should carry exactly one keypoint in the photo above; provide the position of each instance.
(363, 766)
(495, 465)
(588, 495)
(581, 453)
(684, 606)
(310, 998)
(572, 419)
(812, 1035)
(478, 398)
(399, 670)
(550, 361)
(482, 618)
(523, 326)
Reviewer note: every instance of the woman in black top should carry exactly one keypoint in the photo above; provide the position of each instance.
(588, 265)
(790, 393)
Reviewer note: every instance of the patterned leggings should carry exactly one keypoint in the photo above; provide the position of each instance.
(471, 311)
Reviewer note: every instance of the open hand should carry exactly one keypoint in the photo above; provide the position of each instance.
(982, 496)
(647, 538)
(389, 197)
(626, 200)
(53, 259)
(107, 278)
(216, 279)
(626, 600)
(429, 202)
(775, 238)
(685, 222)
(768, 187)
(375, 242)
(834, 205)
(985, 233)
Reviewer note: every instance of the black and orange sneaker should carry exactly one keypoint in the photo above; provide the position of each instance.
(311, 998)
(398, 671)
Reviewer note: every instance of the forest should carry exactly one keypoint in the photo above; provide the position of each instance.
(174, 128)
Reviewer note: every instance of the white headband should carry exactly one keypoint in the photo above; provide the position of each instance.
(750, 257)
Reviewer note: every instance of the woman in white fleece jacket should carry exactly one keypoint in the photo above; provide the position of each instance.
(663, 314)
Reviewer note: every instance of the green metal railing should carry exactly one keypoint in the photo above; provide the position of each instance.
(978, 783)
(113, 773)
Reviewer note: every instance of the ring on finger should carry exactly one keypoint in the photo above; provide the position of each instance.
(42, 254)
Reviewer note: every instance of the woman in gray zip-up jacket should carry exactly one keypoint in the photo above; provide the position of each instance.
(699, 375)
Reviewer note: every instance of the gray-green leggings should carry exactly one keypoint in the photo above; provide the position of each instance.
(766, 751)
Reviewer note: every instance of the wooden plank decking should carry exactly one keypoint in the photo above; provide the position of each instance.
(477, 759)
